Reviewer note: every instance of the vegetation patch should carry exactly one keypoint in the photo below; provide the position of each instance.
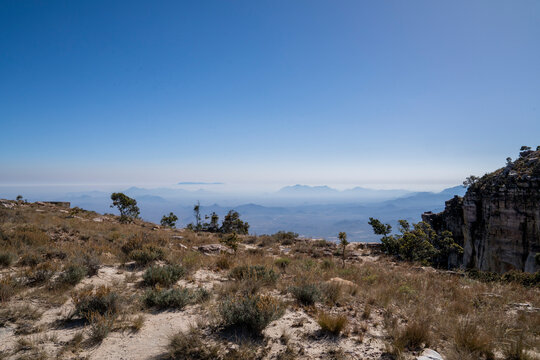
(191, 345)
(163, 275)
(251, 311)
(254, 273)
(101, 301)
(176, 298)
(306, 294)
(332, 324)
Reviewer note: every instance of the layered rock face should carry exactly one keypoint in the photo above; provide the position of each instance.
(498, 220)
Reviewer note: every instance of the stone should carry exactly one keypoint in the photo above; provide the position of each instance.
(214, 249)
(429, 354)
(342, 282)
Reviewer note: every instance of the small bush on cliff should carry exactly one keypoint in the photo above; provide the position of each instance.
(420, 243)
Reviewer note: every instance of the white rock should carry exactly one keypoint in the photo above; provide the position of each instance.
(429, 354)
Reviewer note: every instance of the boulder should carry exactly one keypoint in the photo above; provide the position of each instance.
(214, 249)
(341, 282)
(429, 354)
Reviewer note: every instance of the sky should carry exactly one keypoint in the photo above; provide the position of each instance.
(384, 94)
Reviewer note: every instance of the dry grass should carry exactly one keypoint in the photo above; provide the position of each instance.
(462, 317)
(332, 324)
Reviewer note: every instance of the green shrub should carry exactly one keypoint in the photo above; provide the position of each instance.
(285, 238)
(91, 262)
(72, 275)
(6, 259)
(282, 263)
(306, 294)
(88, 302)
(253, 312)
(254, 273)
(518, 277)
(147, 255)
(176, 298)
(163, 275)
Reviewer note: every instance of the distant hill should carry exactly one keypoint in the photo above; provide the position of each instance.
(307, 190)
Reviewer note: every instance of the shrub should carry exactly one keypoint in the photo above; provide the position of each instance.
(233, 224)
(100, 325)
(285, 238)
(333, 324)
(518, 277)
(282, 263)
(30, 259)
(306, 294)
(91, 262)
(133, 243)
(413, 336)
(72, 275)
(231, 241)
(147, 255)
(6, 259)
(163, 275)
(176, 298)
(254, 273)
(515, 349)
(30, 235)
(40, 274)
(332, 291)
(190, 345)
(88, 302)
(253, 312)
(169, 221)
(18, 313)
(470, 339)
(223, 262)
(8, 286)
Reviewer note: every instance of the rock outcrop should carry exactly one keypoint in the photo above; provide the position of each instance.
(498, 220)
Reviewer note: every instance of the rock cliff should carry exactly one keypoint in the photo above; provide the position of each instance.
(498, 220)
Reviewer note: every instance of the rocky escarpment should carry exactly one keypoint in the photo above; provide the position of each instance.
(498, 219)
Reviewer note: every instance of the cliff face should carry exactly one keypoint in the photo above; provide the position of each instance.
(498, 220)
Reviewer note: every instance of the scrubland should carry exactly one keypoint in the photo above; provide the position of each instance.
(75, 284)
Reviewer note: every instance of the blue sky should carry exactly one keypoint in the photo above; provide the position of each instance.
(409, 94)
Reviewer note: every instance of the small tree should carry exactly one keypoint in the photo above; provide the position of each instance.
(233, 224)
(524, 151)
(343, 241)
(389, 243)
(471, 180)
(19, 198)
(197, 214)
(127, 206)
(231, 241)
(213, 225)
(169, 221)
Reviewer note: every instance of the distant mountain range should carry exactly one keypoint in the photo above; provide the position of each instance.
(316, 211)
(324, 190)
